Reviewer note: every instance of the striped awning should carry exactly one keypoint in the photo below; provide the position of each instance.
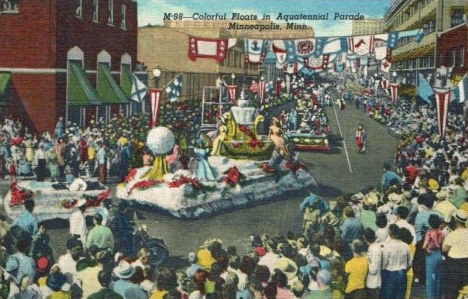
(108, 90)
(80, 91)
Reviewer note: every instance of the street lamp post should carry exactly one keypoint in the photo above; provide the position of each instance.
(394, 75)
(233, 77)
(157, 75)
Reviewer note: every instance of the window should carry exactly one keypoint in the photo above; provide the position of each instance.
(9, 6)
(453, 57)
(79, 8)
(461, 56)
(96, 10)
(110, 13)
(457, 18)
(123, 22)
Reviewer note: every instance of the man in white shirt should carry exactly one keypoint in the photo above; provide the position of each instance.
(77, 221)
(396, 260)
(374, 259)
(67, 262)
(402, 214)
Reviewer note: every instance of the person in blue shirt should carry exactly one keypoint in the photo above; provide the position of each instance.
(26, 220)
(389, 177)
(351, 229)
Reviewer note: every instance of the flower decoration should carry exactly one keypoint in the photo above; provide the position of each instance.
(267, 168)
(184, 180)
(142, 185)
(131, 174)
(19, 196)
(233, 176)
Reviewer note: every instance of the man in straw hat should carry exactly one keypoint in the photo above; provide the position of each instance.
(128, 290)
(444, 206)
(455, 266)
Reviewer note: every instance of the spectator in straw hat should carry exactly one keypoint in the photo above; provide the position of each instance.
(77, 221)
(455, 266)
(444, 206)
(123, 286)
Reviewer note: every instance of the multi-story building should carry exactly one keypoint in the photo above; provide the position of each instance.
(434, 17)
(66, 58)
(368, 26)
(166, 47)
(451, 51)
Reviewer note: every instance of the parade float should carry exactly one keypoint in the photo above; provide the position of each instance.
(310, 129)
(52, 200)
(242, 169)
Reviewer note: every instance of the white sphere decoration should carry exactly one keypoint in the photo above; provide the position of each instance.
(160, 140)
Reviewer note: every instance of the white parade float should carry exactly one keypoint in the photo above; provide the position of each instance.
(52, 200)
(236, 181)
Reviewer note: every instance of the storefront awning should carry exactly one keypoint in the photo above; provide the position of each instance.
(80, 91)
(423, 51)
(126, 82)
(108, 90)
(4, 82)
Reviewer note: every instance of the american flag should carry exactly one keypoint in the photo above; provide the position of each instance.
(254, 87)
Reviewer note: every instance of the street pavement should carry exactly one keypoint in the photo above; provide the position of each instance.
(330, 169)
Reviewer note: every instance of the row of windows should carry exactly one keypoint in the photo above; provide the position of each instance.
(424, 62)
(411, 11)
(456, 57)
(12, 6)
(110, 12)
(456, 18)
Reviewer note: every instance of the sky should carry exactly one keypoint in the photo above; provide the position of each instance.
(152, 11)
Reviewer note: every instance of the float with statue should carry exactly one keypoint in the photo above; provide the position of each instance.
(310, 128)
(53, 200)
(232, 168)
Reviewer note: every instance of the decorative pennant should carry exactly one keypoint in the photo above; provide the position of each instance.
(319, 45)
(394, 91)
(231, 91)
(361, 45)
(317, 64)
(155, 99)
(278, 87)
(261, 92)
(255, 50)
(442, 101)
(207, 48)
(292, 68)
(380, 46)
(278, 47)
(290, 51)
(385, 65)
(305, 47)
(392, 40)
(384, 83)
(335, 45)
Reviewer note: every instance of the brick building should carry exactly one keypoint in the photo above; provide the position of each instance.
(66, 58)
(451, 51)
(434, 17)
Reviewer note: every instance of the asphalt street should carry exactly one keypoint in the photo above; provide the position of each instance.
(331, 170)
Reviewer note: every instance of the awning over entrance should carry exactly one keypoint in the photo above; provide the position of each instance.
(108, 90)
(4, 82)
(126, 82)
(80, 91)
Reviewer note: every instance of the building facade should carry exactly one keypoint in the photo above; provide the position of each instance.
(66, 58)
(368, 26)
(434, 17)
(451, 52)
(166, 47)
